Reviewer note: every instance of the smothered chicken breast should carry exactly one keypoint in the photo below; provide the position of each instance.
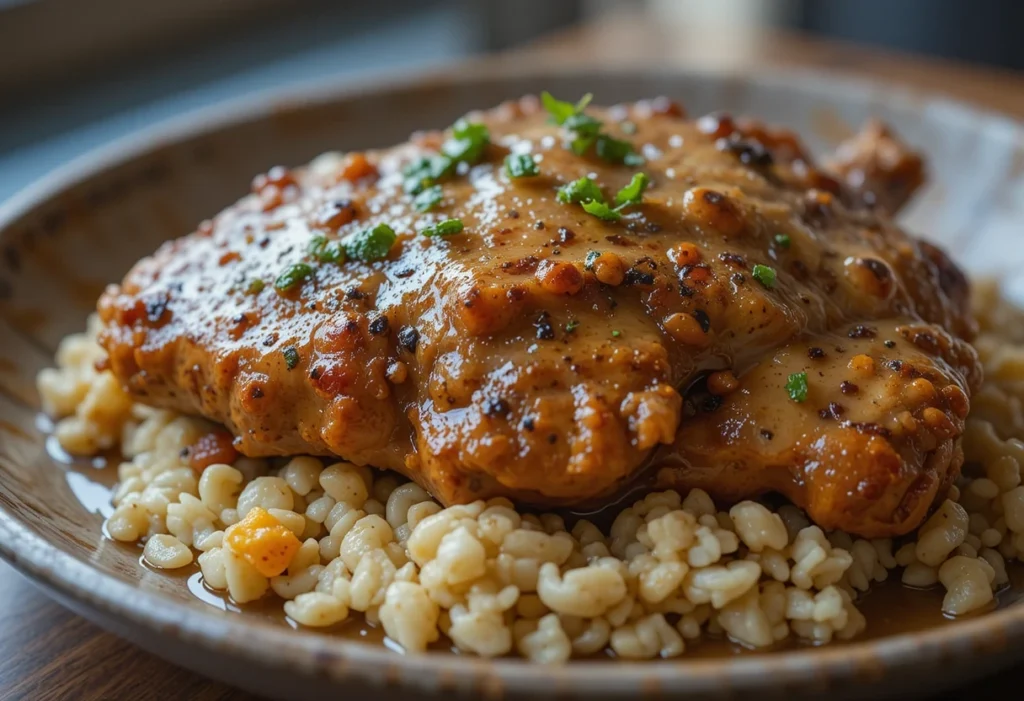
(548, 300)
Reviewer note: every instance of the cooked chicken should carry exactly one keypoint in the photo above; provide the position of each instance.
(749, 323)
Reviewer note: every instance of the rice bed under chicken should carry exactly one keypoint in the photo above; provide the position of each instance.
(333, 540)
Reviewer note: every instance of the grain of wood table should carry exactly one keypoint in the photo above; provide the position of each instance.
(49, 653)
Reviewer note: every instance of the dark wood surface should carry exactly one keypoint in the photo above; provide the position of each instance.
(47, 653)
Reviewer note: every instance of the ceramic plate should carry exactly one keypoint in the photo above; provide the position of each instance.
(63, 238)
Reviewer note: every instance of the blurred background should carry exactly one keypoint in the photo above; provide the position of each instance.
(77, 73)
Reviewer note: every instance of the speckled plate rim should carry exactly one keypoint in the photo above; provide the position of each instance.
(308, 653)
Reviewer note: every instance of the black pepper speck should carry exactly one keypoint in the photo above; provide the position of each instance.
(703, 319)
(408, 337)
(379, 325)
(496, 406)
(545, 330)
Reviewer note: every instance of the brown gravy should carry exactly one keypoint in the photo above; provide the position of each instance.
(890, 607)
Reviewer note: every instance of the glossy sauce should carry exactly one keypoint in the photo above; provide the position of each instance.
(91, 480)
(543, 353)
(890, 608)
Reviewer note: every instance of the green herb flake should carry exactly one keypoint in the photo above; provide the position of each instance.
(571, 325)
(587, 193)
(582, 190)
(583, 125)
(467, 144)
(580, 145)
(584, 131)
(292, 276)
(291, 357)
(446, 228)
(521, 165)
(255, 287)
(473, 131)
(424, 173)
(588, 263)
(616, 151)
(764, 275)
(633, 193)
(469, 141)
(561, 110)
(796, 386)
(316, 244)
(429, 198)
(783, 240)
(601, 210)
(370, 244)
(333, 253)
(324, 251)
(616, 333)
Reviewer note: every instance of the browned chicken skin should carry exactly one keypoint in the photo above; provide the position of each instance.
(755, 324)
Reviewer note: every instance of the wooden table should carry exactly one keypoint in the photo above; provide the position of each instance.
(48, 653)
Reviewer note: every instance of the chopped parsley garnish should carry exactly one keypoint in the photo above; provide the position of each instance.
(617, 151)
(292, 276)
(588, 263)
(571, 325)
(291, 357)
(445, 228)
(467, 145)
(796, 386)
(633, 160)
(255, 287)
(316, 245)
(601, 210)
(616, 333)
(764, 275)
(425, 172)
(587, 193)
(469, 139)
(578, 191)
(560, 110)
(584, 131)
(583, 125)
(633, 193)
(782, 240)
(580, 144)
(427, 199)
(521, 165)
(324, 251)
(370, 244)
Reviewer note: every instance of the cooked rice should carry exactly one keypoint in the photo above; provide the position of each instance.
(332, 538)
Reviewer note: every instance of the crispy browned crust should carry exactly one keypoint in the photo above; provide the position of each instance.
(501, 361)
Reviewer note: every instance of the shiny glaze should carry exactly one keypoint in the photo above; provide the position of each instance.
(506, 367)
(890, 607)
